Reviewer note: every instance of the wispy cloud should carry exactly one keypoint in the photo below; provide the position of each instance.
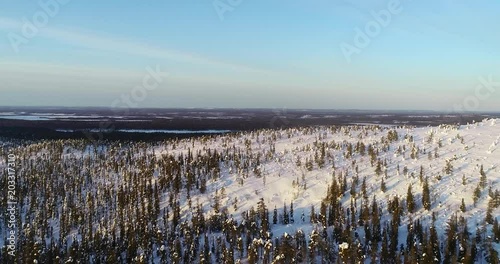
(117, 45)
(50, 69)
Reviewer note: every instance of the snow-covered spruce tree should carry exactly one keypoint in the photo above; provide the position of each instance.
(426, 196)
(410, 201)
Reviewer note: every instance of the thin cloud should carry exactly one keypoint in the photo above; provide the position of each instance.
(111, 44)
(28, 68)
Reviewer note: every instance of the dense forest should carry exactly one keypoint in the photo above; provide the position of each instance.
(327, 194)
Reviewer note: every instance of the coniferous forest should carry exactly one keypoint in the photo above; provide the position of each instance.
(326, 194)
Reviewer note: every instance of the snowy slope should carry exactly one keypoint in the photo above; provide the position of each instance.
(480, 146)
(282, 177)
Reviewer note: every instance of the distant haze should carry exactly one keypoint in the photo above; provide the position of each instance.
(428, 55)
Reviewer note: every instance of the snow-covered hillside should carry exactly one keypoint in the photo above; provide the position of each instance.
(162, 190)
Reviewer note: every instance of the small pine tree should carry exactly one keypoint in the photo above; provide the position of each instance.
(275, 216)
(493, 257)
(448, 167)
(489, 213)
(472, 253)
(451, 241)
(383, 188)
(203, 185)
(378, 169)
(421, 174)
(434, 242)
(385, 256)
(483, 181)
(353, 189)
(462, 206)
(313, 215)
(286, 219)
(298, 162)
(309, 165)
(410, 200)
(363, 189)
(496, 231)
(426, 196)
(477, 194)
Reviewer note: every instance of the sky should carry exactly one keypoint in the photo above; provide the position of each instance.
(340, 54)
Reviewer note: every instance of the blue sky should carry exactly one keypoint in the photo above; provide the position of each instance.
(431, 55)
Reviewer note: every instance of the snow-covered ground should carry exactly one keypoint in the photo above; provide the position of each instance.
(478, 148)
(468, 147)
(283, 180)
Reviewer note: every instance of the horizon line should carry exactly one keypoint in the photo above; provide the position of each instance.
(284, 109)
